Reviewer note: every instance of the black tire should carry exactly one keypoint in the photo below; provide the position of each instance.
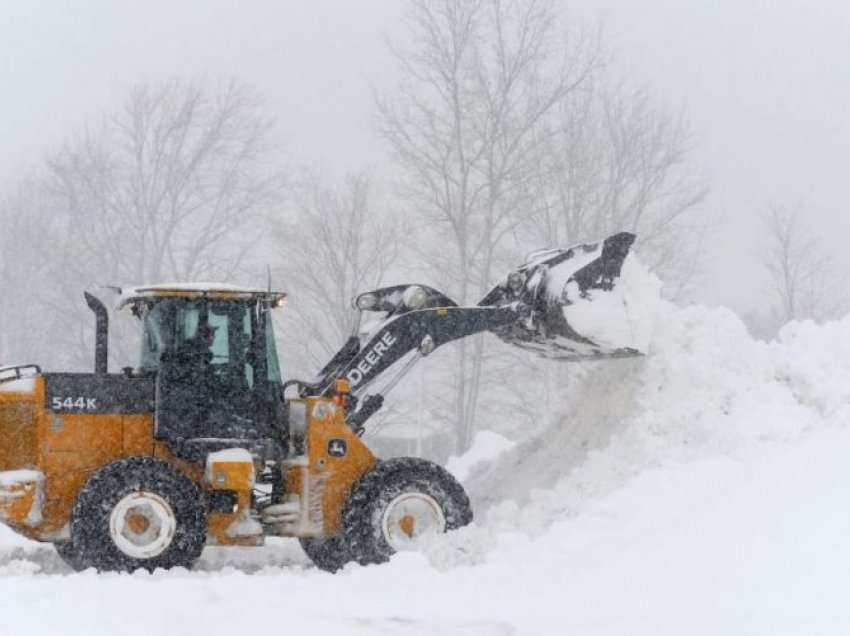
(70, 555)
(329, 554)
(372, 495)
(90, 519)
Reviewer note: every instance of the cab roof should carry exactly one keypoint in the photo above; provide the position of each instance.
(220, 291)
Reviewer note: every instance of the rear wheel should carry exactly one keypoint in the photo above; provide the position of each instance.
(138, 513)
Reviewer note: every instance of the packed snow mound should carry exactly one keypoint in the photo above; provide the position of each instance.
(486, 446)
(706, 389)
(814, 362)
(749, 547)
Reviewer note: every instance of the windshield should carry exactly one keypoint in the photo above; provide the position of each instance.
(219, 334)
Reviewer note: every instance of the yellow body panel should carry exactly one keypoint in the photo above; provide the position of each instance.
(18, 437)
(237, 477)
(329, 477)
(217, 522)
(67, 448)
(138, 435)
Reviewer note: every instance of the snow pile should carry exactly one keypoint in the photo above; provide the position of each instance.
(486, 446)
(814, 362)
(9, 539)
(621, 318)
(707, 389)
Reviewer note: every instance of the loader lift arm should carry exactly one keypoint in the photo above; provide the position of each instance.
(420, 331)
(519, 310)
(423, 330)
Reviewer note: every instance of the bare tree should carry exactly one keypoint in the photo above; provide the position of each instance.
(479, 83)
(166, 182)
(617, 161)
(803, 276)
(166, 188)
(338, 243)
(23, 260)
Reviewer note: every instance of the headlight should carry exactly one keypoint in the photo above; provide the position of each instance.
(414, 297)
(365, 302)
(427, 346)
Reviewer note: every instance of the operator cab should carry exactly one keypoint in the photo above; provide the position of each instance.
(212, 352)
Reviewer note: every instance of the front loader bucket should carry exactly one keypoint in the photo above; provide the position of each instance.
(588, 301)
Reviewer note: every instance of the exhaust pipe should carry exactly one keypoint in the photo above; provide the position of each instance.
(101, 333)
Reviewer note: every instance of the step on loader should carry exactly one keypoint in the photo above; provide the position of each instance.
(204, 443)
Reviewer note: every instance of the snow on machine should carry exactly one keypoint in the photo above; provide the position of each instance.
(200, 444)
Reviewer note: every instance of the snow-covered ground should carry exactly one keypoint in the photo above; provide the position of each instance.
(703, 489)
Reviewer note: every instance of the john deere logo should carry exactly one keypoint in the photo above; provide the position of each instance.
(337, 448)
(373, 357)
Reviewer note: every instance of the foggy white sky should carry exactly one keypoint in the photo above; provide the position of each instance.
(766, 85)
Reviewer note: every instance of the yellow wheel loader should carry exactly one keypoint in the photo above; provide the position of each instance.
(204, 443)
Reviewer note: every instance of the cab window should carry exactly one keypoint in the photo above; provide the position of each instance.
(218, 334)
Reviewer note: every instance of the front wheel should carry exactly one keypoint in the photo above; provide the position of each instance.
(327, 553)
(401, 505)
(69, 555)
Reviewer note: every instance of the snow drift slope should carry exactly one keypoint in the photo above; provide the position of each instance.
(700, 490)
(706, 389)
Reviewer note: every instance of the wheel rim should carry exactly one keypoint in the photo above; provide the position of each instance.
(142, 525)
(412, 519)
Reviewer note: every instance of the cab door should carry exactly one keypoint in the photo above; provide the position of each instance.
(212, 379)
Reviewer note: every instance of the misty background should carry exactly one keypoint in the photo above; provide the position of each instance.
(757, 90)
